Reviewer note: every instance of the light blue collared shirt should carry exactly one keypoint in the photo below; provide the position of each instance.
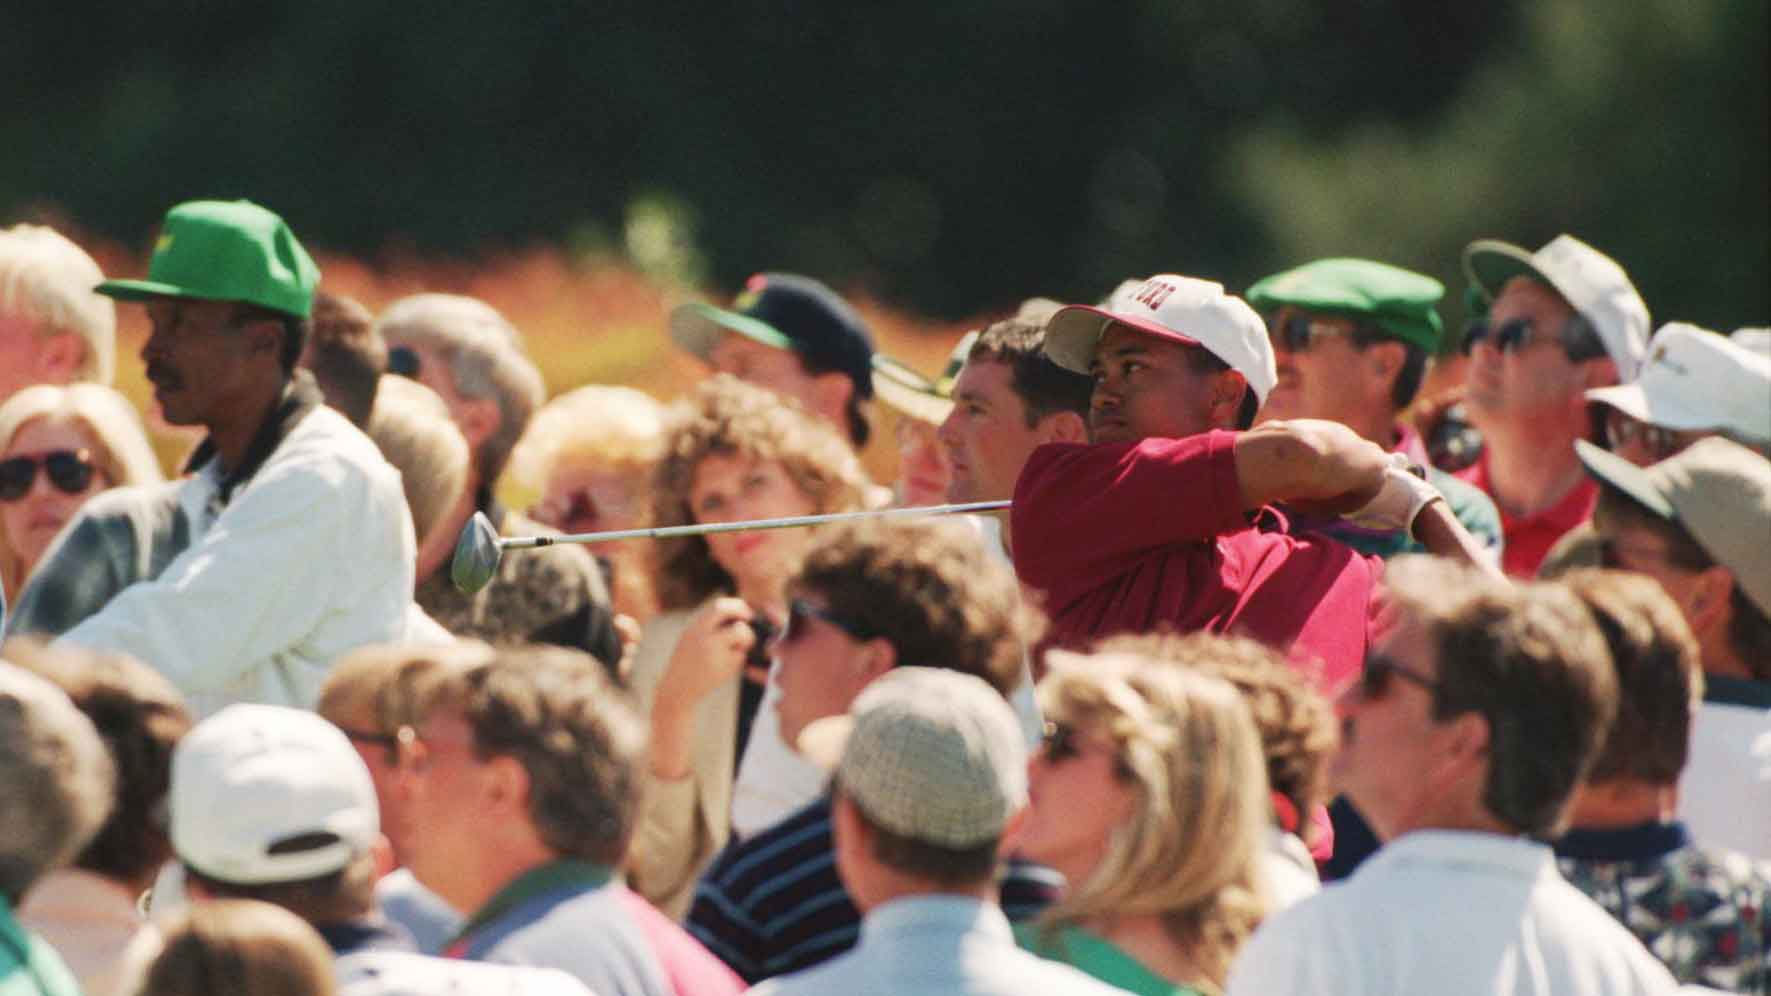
(937, 944)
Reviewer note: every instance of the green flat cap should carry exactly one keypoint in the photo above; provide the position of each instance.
(226, 251)
(1398, 301)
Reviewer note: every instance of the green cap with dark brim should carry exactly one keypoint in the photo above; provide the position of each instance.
(1401, 302)
(226, 251)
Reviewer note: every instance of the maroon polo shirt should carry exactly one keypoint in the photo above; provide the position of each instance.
(1126, 537)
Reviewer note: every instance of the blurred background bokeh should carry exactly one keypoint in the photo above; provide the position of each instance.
(582, 166)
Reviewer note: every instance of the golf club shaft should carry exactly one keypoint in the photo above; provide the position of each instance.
(706, 528)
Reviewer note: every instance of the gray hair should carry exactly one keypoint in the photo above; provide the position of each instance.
(411, 426)
(48, 279)
(486, 359)
(56, 780)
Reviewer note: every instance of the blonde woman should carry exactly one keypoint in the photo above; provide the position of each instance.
(732, 451)
(1150, 796)
(591, 453)
(60, 446)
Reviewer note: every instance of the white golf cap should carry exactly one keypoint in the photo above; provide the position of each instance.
(1698, 379)
(1754, 338)
(264, 794)
(1180, 309)
(1591, 282)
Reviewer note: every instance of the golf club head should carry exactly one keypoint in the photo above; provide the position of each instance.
(476, 554)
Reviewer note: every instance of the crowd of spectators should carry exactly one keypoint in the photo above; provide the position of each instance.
(1317, 650)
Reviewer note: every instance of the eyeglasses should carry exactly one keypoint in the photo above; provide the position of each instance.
(389, 742)
(799, 611)
(1297, 332)
(1374, 681)
(69, 470)
(403, 361)
(1621, 430)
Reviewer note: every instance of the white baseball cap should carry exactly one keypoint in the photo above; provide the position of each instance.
(1697, 379)
(1754, 338)
(1180, 309)
(252, 780)
(1591, 282)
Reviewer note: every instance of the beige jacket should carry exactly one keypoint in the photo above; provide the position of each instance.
(683, 823)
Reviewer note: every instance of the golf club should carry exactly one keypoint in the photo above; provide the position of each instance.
(479, 547)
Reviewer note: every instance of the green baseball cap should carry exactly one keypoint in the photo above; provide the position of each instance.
(1400, 302)
(226, 251)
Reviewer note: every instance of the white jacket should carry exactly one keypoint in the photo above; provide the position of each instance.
(312, 557)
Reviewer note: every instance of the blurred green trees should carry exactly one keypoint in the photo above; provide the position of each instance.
(953, 157)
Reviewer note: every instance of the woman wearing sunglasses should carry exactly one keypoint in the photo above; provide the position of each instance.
(60, 446)
(1150, 796)
(732, 451)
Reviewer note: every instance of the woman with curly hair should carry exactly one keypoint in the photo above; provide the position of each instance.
(1150, 796)
(732, 451)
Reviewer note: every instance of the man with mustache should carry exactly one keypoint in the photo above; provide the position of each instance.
(289, 543)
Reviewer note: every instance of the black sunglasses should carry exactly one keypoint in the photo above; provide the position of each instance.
(1374, 681)
(403, 361)
(1058, 743)
(1515, 334)
(1298, 332)
(69, 470)
(799, 610)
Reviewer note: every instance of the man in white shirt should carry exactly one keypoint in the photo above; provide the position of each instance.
(1477, 714)
(297, 544)
(933, 772)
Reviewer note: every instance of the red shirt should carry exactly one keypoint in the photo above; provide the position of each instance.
(1124, 537)
(1529, 538)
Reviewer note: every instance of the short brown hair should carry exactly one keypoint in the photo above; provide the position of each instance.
(1297, 725)
(578, 735)
(1530, 661)
(1659, 676)
(379, 685)
(140, 717)
(929, 588)
(728, 417)
(346, 354)
(55, 780)
(239, 946)
(1044, 388)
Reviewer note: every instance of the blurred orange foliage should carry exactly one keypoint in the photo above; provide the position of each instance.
(585, 322)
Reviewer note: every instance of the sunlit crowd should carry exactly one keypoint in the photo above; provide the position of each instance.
(1328, 635)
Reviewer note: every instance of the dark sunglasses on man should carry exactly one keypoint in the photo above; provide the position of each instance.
(69, 470)
(1515, 334)
(1296, 332)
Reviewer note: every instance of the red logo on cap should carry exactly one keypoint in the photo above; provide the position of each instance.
(756, 282)
(1153, 293)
